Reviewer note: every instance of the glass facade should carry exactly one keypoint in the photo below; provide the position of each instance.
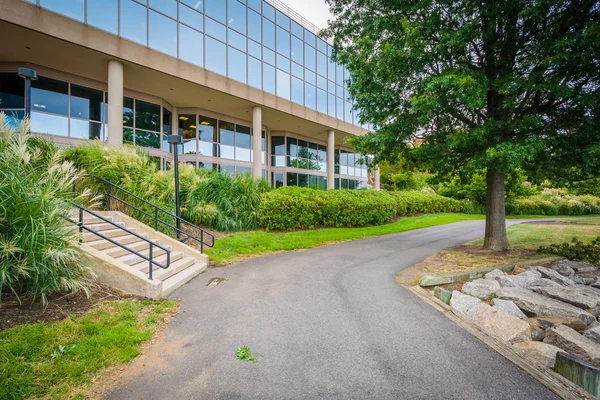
(247, 40)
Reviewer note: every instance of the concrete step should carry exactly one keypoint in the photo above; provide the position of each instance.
(101, 227)
(132, 259)
(90, 236)
(144, 265)
(180, 279)
(175, 268)
(125, 240)
(89, 219)
(116, 251)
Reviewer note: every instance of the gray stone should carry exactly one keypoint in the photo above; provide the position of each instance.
(543, 353)
(550, 321)
(443, 294)
(505, 327)
(588, 281)
(481, 288)
(494, 274)
(569, 294)
(535, 304)
(578, 266)
(563, 269)
(545, 282)
(595, 284)
(523, 280)
(508, 308)
(593, 325)
(573, 343)
(464, 304)
(593, 334)
(537, 332)
(578, 280)
(555, 276)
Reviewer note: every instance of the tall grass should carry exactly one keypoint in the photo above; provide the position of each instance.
(38, 248)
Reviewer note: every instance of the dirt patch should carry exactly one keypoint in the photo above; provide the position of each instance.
(462, 258)
(60, 306)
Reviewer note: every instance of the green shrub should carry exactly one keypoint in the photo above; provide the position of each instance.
(293, 208)
(576, 251)
(555, 202)
(39, 254)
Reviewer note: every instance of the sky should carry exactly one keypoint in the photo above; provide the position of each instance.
(316, 11)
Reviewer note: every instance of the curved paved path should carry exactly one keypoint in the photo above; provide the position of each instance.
(326, 323)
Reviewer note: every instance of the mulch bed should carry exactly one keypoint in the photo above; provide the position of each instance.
(59, 306)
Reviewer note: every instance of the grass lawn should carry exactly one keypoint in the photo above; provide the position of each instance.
(524, 239)
(240, 245)
(58, 360)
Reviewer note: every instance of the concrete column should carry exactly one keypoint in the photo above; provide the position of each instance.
(257, 142)
(377, 178)
(331, 160)
(115, 103)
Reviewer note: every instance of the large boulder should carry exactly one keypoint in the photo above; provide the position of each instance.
(508, 308)
(481, 288)
(523, 280)
(464, 304)
(578, 266)
(573, 343)
(550, 321)
(535, 304)
(545, 282)
(543, 353)
(494, 274)
(593, 334)
(563, 269)
(537, 332)
(505, 327)
(554, 276)
(569, 294)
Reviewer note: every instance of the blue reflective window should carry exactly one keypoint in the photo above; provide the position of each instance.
(297, 29)
(50, 124)
(133, 21)
(268, 56)
(268, 78)
(310, 77)
(283, 63)
(254, 26)
(237, 40)
(339, 75)
(163, 33)
(297, 50)
(310, 38)
(70, 8)
(236, 17)
(283, 42)
(217, 9)
(104, 14)
(339, 91)
(216, 30)
(297, 70)
(348, 112)
(254, 49)
(321, 64)
(216, 56)
(340, 109)
(50, 95)
(321, 46)
(268, 11)
(331, 68)
(331, 87)
(268, 33)
(321, 82)
(195, 4)
(254, 72)
(283, 20)
(310, 96)
(297, 91)
(255, 4)
(236, 64)
(191, 45)
(321, 101)
(310, 57)
(190, 17)
(168, 7)
(86, 103)
(283, 84)
(331, 104)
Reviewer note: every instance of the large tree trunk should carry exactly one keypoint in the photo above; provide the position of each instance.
(495, 213)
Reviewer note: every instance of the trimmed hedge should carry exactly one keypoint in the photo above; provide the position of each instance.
(555, 202)
(293, 208)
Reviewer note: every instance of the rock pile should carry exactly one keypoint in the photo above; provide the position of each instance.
(541, 312)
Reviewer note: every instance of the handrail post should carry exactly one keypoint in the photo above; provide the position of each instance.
(201, 242)
(156, 218)
(150, 257)
(108, 186)
(80, 225)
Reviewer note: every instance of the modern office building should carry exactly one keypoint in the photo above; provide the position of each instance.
(248, 84)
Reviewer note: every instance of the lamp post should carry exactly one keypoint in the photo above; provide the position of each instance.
(176, 140)
(29, 75)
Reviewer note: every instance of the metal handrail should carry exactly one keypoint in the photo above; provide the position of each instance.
(148, 258)
(109, 195)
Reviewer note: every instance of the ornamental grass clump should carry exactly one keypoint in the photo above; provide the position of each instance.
(39, 254)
